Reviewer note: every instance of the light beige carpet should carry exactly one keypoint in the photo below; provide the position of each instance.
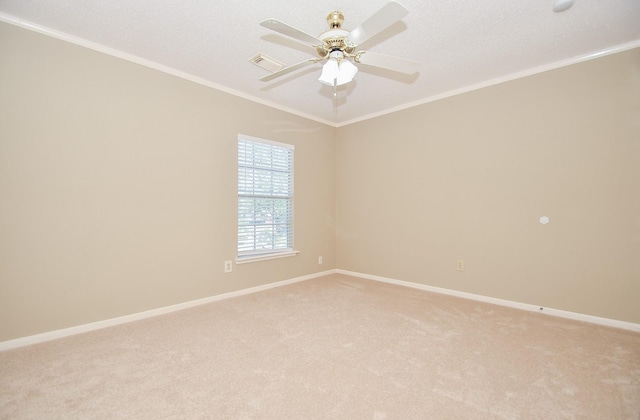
(333, 347)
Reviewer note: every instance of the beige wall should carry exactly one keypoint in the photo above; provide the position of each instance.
(118, 187)
(469, 176)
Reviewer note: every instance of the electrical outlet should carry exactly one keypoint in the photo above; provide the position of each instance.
(228, 267)
(320, 260)
(460, 265)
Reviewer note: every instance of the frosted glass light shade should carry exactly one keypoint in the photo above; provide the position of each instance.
(348, 71)
(330, 72)
(341, 73)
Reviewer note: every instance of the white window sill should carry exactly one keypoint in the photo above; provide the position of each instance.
(264, 257)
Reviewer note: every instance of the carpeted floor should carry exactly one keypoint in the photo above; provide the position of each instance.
(332, 347)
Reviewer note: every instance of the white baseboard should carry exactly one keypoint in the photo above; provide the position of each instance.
(65, 332)
(502, 302)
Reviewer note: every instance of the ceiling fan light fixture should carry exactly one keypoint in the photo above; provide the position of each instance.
(337, 70)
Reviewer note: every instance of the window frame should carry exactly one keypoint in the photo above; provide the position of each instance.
(254, 254)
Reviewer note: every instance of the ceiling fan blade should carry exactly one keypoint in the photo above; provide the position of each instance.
(289, 69)
(388, 62)
(290, 31)
(382, 19)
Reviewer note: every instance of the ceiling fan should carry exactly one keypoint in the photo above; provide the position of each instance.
(338, 47)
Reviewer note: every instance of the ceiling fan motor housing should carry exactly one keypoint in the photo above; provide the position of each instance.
(334, 38)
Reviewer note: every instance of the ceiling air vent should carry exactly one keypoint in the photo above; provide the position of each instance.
(266, 63)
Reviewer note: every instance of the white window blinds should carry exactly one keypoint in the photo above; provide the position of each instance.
(265, 197)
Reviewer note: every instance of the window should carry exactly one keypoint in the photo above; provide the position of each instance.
(265, 199)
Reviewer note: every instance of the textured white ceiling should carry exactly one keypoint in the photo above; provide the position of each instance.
(460, 44)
